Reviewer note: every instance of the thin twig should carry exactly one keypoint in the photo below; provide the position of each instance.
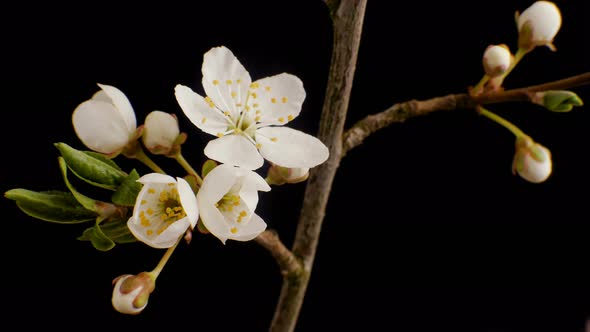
(402, 111)
(288, 263)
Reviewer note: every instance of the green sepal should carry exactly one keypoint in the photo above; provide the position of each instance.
(94, 170)
(103, 158)
(208, 166)
(97, 237)
(561, 100)
(127, 192)
(118, 231)
(53, 206)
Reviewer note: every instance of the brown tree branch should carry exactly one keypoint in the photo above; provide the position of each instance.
(347, 18)
(288, 263)
(402, 111)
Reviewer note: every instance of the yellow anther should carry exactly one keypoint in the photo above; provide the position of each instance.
(238, 81)
(267, 88)
(284, 100)
(240, 105)
(149, 232)
(257, 119)
(254, 95)
(281, 119)
(168, 211)
(273, 100)
(209, 101)
(171, 184)
(258, 112)
(149, 211)
(141, 214)
(233, 94)
(204, 120)
(143, 201)
(226, 113)
(233, 230)
(243, 213)
(230, 208)
(274, 139)
(255, 105)
(254, 85)
(215, 82)
(145, 222)
(290, 117)
(228, 82)
(151, 191)
(219, 134)
(177, 208)
(238, 131)
(258, 145)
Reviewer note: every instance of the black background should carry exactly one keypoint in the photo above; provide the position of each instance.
(426, 228)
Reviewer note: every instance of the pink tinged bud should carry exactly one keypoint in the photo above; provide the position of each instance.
(532, 161)
(160, 132)
(131, 293)
(538, 25)
(496, 60)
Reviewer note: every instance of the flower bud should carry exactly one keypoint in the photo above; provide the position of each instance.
(279, 175)
(538, 25)
(557, 100)
(131, 293)
(160, 132)
(532, 161)
(106, 122)
(496, 60)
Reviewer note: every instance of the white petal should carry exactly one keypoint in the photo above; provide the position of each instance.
(160, 130)
(225, 80)
(208, 119)
(100, 127)
(545, 19)
(165, 240)
(170, 235)
(276, 100)
(188, 201)
(291, 148)
(217, 183)
(251, 230)
(235, 150)
(122, 104)
(251, 184)
(156, 178)
(213, 220)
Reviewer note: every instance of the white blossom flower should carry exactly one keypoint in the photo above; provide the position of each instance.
(532, 161)
(227, 200)
(160, 132)
(131, 293)
(164, 209)
(543, 18)
(248, 117)
(105, 123)
(496, 60)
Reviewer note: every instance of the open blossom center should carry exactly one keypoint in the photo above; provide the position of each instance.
(160, 210)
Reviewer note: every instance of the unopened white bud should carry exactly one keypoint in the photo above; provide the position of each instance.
(160, 132)
(538, 25)
(131, 293)
(532, 161)
(496, 60)
(278, 175)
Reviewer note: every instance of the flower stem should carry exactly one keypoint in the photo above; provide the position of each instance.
(520, 53)
(187, 167)
(145, 159)
(479, 86)
(501, 121)
(156, 271)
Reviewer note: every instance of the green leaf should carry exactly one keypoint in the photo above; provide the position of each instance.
(85, 201)
(128, 190)
(103, 158)
(53, 206)
(118, 231)
(208, 166)
(94, 170)
(98, 239)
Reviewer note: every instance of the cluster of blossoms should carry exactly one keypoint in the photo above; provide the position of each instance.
(247, 119)
(537, 26)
